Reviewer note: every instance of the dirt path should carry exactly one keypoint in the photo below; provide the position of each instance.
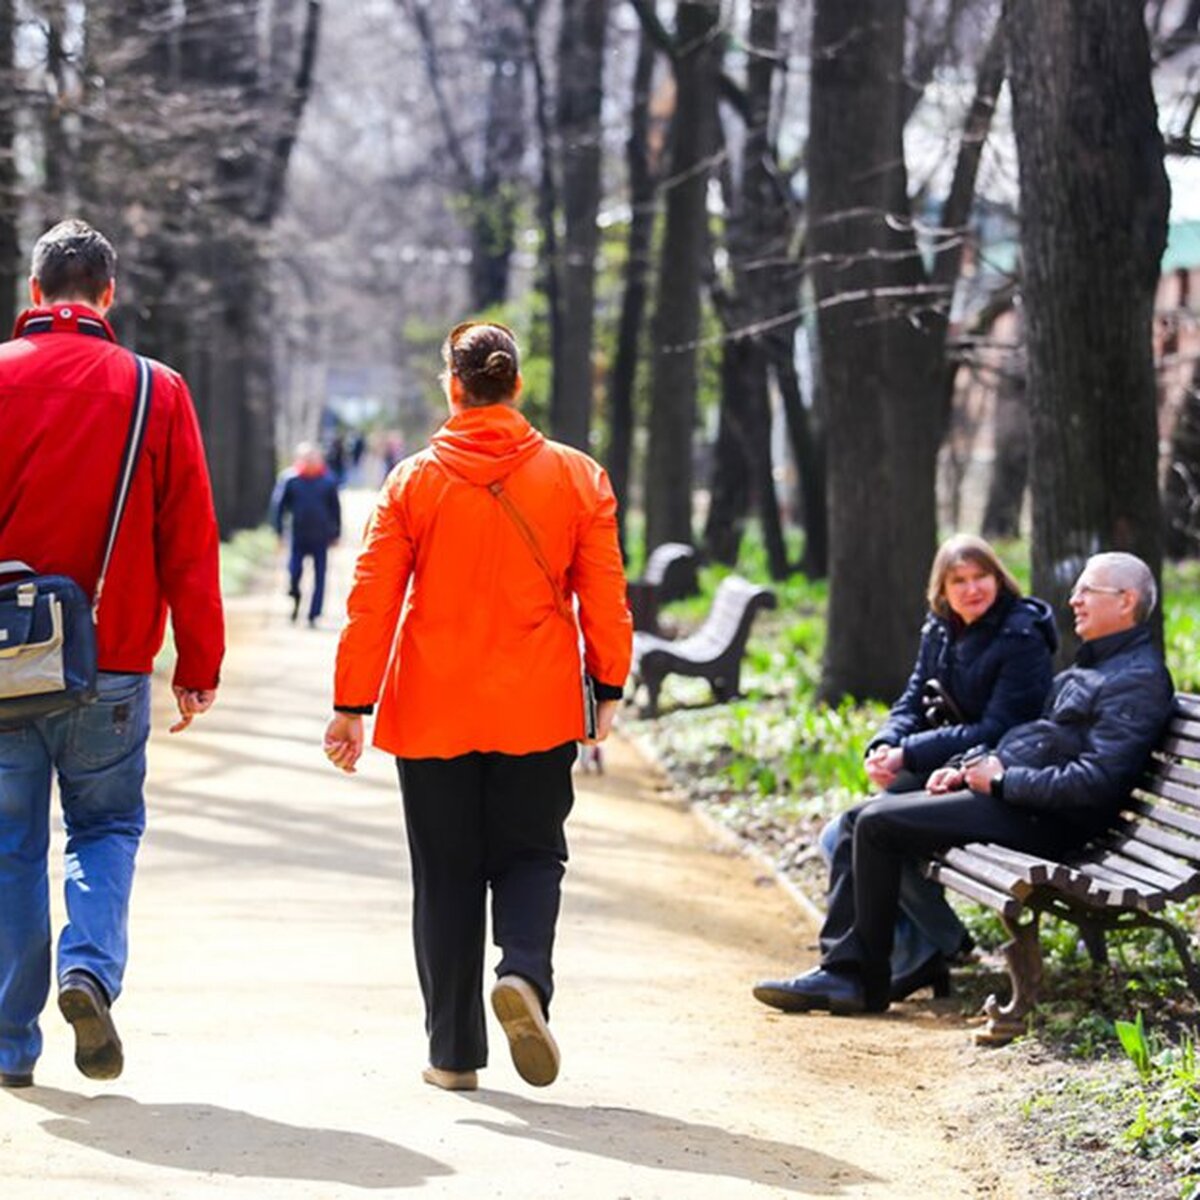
(273, 1031)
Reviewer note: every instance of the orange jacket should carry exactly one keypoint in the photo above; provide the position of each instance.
(485, 659)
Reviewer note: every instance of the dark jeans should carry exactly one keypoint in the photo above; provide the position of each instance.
(878, 837)
(474, 822)
(318, 552)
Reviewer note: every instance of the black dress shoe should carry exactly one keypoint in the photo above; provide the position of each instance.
(98, 1053)
(16, 1079)
(842, 995)
(934, 972)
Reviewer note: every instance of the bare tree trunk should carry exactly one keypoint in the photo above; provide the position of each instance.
(495, 197)
(882, 324)
(580, 93)
(681, 272)
(1094, 199)
(856, 178)
(622, 379)
(758, 232)
(1010, 463)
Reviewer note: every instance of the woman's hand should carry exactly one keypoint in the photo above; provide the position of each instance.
(883, 764)
(344, 740)
(979, 775)
(606, 711)
(945, 779)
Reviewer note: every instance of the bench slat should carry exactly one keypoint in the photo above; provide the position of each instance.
(1184, 747)
(1185, 848)
(988, 872)
(1186, 727)
(1167, 816)
(972, 888)
(1128, 842)
(1187, 705)
(1145, 878)
(1171, 785)
(1038, 871)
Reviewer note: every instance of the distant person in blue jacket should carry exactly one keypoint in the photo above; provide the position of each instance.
(308, 492)
(984, 665)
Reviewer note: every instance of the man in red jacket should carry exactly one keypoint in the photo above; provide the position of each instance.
(66, 394)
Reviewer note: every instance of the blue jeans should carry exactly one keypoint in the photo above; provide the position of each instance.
(925, 925)
(99, 752)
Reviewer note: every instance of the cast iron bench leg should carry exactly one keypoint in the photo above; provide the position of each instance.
(1024, 957)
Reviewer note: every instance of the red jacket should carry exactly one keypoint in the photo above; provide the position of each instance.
(66, 393)
(485, 658)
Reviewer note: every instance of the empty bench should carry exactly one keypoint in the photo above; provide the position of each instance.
(670, 574)
(1123, 879)
(714, 652)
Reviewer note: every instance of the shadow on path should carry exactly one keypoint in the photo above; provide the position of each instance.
(651, 1140)
(208, 1139)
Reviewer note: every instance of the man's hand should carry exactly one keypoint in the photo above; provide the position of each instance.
(883, 764)
(191, 703)
(979, 775)
(344, 740)
(606, 711)
(944, 779)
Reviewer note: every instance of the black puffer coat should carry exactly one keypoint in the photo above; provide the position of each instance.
(998, 670)
(1102, 718)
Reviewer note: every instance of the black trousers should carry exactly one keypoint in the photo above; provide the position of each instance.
(879, 836)
(477, 821)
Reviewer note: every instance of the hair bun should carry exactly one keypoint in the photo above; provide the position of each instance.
(499, 364)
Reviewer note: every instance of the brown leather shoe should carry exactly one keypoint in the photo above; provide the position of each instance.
(451, 1081)
(98, 1052)
(534, 1051)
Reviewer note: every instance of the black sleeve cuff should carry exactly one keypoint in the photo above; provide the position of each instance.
(355, 710)
(607, 691)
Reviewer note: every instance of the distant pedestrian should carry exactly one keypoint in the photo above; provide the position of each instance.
(67, 393)
(306, 498)
(337, 459)
(478, 550)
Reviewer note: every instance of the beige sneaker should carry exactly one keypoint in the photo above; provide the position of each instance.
(451, 1081)
(534, 1051)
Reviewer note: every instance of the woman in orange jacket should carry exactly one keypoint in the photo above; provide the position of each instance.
(491, 551)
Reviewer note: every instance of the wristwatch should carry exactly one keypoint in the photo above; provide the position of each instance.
(996, 787)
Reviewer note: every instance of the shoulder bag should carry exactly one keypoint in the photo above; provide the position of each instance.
(48, 622)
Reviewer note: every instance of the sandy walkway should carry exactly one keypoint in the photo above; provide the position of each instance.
(272, 1024)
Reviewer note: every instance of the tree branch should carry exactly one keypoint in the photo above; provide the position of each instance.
(418, 14)
(957, 209)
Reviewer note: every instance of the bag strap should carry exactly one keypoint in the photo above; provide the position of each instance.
(565, 610)
(143, 392)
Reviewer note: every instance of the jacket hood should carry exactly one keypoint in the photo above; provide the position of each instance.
(485, 444)
(1037, 616)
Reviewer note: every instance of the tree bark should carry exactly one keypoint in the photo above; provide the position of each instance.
(865, 274)
(580, 93)
(623, 376)
(882, 324)
(680, 276)
(1094, 201)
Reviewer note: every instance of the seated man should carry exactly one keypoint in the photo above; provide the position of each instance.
(1050, 786)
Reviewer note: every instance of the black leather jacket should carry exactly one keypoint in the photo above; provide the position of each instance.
(1102, 718)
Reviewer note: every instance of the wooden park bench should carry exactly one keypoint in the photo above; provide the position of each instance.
(670, 574)
(1123, 879)
(714, 652)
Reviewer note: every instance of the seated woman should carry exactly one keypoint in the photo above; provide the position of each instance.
(984, 664)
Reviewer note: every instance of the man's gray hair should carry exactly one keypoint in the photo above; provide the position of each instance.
(1128, 571)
